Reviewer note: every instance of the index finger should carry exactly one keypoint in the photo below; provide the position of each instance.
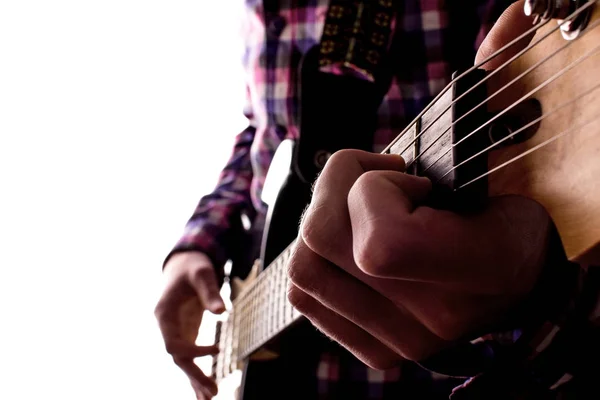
(200, 382)
(325, 227)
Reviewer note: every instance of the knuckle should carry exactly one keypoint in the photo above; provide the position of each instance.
(342, 157)
(300, 275)
(296, 297)
(448, 328)
(171, 348)
(160, 311)
(375, 254)
(416, 353)
(201, 273)
(382, 362)
(367, 180)
(315, 228)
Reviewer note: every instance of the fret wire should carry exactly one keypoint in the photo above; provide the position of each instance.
(544, 84)
(230, 349)
(270, 307)
(265, 315)
(253, 317)
(289, 307)
(462, 75)
(281, 288)
(532, 44)
(276, 296)
(485, 101)
(260, 308)
(236, 337)
(284, 302)
(225, 326)
(259, 294)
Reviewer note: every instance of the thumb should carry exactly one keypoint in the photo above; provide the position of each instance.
(511, 24)
(204, 281)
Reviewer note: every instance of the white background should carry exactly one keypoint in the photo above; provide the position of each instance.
(115, 117)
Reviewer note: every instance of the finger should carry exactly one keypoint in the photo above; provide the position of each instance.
(200, 382)
(360, 304)
(484, 252)
(359, 342)
(204, 281)
(327, 215)
(512, 23)
(184, 349)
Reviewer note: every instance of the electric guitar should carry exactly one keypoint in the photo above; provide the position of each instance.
(530, 128)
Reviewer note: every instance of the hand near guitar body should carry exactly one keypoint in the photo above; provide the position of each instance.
(390, 278)
(190, 289)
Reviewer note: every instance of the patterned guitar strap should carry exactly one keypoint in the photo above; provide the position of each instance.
(343, 81)
(356, 37)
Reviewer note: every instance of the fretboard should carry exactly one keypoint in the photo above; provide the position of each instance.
(259, 313)
(262, 310)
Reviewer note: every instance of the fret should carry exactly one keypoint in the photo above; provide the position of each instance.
(258, 315)
(229, 361)
(252, 316)
(270, 306)
(236, 337)
(260, 311)
(219, 372)
(432, 146)
(403, 146)
(275, 297)
(280, 299)
(287, 307)
(223, 350)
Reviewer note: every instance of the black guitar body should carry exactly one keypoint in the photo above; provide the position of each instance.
(336, 112)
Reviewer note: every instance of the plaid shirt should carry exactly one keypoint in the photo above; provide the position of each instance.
(276, 40)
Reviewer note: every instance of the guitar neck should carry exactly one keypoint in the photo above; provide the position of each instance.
(259, 313)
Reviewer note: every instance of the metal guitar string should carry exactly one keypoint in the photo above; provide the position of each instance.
(495, 93)
(519, 101)
(487, 59)
(244, 295)
(533, 122)
(595, 50)
(453, 81)
(506, 86)
(531, 150)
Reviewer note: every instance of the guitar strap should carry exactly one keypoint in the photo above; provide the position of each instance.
(343, 81)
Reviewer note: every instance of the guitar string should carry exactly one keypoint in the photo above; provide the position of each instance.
(461, 96)
(245, 297)
(461, 76)
(547, 82)
(440, 136)
(531, 123)
(493, 55)
(483, 102)
(245, 293)
(531, 150)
